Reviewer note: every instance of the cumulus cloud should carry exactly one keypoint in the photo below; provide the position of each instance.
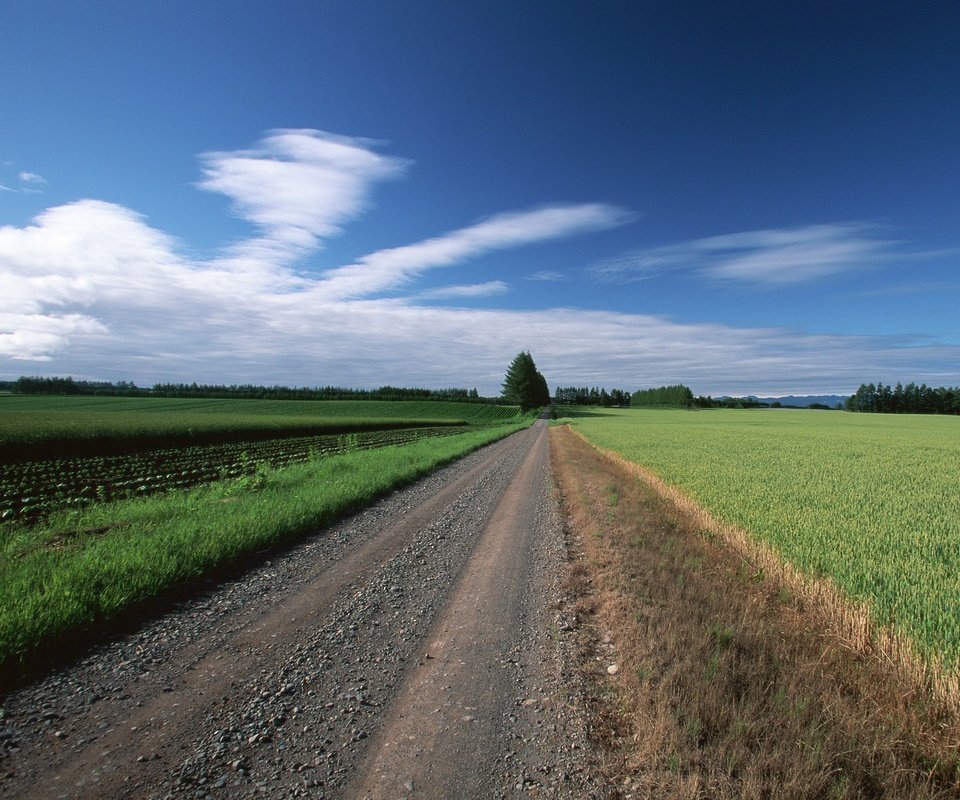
(89, 252)
(773, 257)
(34, 337)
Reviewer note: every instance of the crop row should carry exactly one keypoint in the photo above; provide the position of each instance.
(79, 427)
(33, 489)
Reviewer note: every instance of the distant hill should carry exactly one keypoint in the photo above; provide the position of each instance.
(794, 401)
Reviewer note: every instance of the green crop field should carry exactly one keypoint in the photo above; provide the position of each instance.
(31, 490)
(69, 426)
(63, 452)
(870, 501)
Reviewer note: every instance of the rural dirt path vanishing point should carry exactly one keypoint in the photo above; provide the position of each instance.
(421, 648)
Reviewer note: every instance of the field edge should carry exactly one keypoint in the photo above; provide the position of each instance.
(850, 621)
(697, 704)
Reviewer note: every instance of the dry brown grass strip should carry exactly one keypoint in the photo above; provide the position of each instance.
(728, 683)
(845, 618)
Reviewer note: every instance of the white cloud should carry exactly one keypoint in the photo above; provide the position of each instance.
(35, 337)
(298, 187)
(91, 289)
(546, 275)
(794, 256)
(932, 287)
(487, 289)
(388, 269)
(93, 282)
(29, 183)
(764, 257)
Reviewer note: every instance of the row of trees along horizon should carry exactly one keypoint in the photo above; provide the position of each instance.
(523, 385)
(909, 399)
(69, 386)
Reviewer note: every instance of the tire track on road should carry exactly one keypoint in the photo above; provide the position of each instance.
(444, 736)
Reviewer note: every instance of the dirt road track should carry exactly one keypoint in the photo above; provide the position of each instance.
(415, 650)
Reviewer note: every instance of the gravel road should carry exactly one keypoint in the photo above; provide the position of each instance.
(420, 648)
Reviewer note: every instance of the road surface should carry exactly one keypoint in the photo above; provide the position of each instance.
(417, 649)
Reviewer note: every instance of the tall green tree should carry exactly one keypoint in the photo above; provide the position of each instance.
(678, 396)
(524, 385)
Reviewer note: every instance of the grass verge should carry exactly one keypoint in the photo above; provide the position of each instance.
(711, 680)
(82, 569)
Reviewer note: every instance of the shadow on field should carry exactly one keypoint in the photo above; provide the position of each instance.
(574, 412)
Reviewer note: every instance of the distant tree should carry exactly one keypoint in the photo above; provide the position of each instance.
(678, 396)
(524, 385)
(585, 396)
(909, 399)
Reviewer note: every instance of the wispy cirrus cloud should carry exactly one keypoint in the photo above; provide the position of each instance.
(771, 257)
(393, 267)
(932, 287)
(32, 178)
(27, 183)
(546, 275)
(487, 289)
(299, 187)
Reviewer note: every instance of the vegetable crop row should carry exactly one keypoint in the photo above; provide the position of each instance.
(31, 490)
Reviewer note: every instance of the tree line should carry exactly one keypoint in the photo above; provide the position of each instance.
(69, 386)
(739, 402)
(523, 386)
(678, 396)
(909, 399)
(590, 396)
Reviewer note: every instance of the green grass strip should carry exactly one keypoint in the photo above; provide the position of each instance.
(83, 568)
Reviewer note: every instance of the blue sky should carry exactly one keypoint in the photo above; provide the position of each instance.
(746, 197)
